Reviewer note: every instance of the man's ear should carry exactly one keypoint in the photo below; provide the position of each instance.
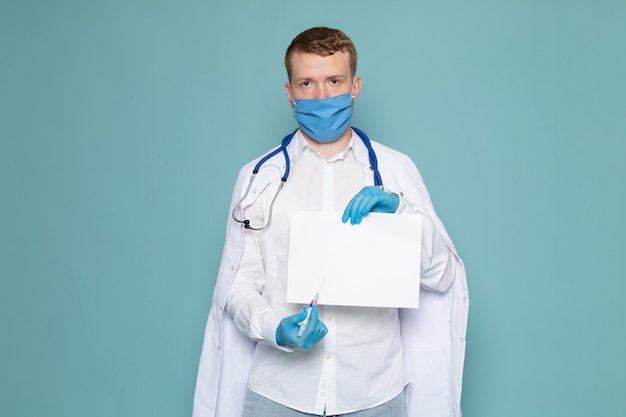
(356, 82)
(288, 91)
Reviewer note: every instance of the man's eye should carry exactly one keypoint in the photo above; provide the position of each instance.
(334, 82)
(306, 83)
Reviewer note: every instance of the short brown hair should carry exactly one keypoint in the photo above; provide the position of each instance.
(321, 41)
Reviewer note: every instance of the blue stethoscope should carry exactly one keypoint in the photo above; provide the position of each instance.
(378, 182)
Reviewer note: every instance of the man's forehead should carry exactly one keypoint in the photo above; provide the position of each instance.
(307, 64)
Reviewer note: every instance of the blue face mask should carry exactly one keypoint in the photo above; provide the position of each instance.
(324, 120)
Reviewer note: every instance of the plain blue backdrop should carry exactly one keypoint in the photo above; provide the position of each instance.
(123, 125)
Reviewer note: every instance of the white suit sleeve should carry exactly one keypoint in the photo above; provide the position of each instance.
(438, 263)
(252, 313)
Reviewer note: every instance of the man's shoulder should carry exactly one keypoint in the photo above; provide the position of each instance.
(387, 152)
(274, 159)
(274, 165)
(395, 166)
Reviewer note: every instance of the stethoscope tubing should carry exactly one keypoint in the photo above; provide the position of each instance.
(378, 182)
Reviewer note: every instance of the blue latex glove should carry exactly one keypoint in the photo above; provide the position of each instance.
(369, 199)
(288, 328)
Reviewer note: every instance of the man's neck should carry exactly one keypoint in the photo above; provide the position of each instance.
(330, 149)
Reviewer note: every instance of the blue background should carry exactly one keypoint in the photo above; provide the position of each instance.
(123, 125)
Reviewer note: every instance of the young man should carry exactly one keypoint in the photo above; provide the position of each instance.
(349, 360)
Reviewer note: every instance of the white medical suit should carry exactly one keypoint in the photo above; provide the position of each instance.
(433, 336)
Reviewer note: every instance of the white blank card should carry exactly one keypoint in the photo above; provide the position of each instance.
(375, 263)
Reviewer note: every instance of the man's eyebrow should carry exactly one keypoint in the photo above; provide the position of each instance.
(336, 77)
(330, 77)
